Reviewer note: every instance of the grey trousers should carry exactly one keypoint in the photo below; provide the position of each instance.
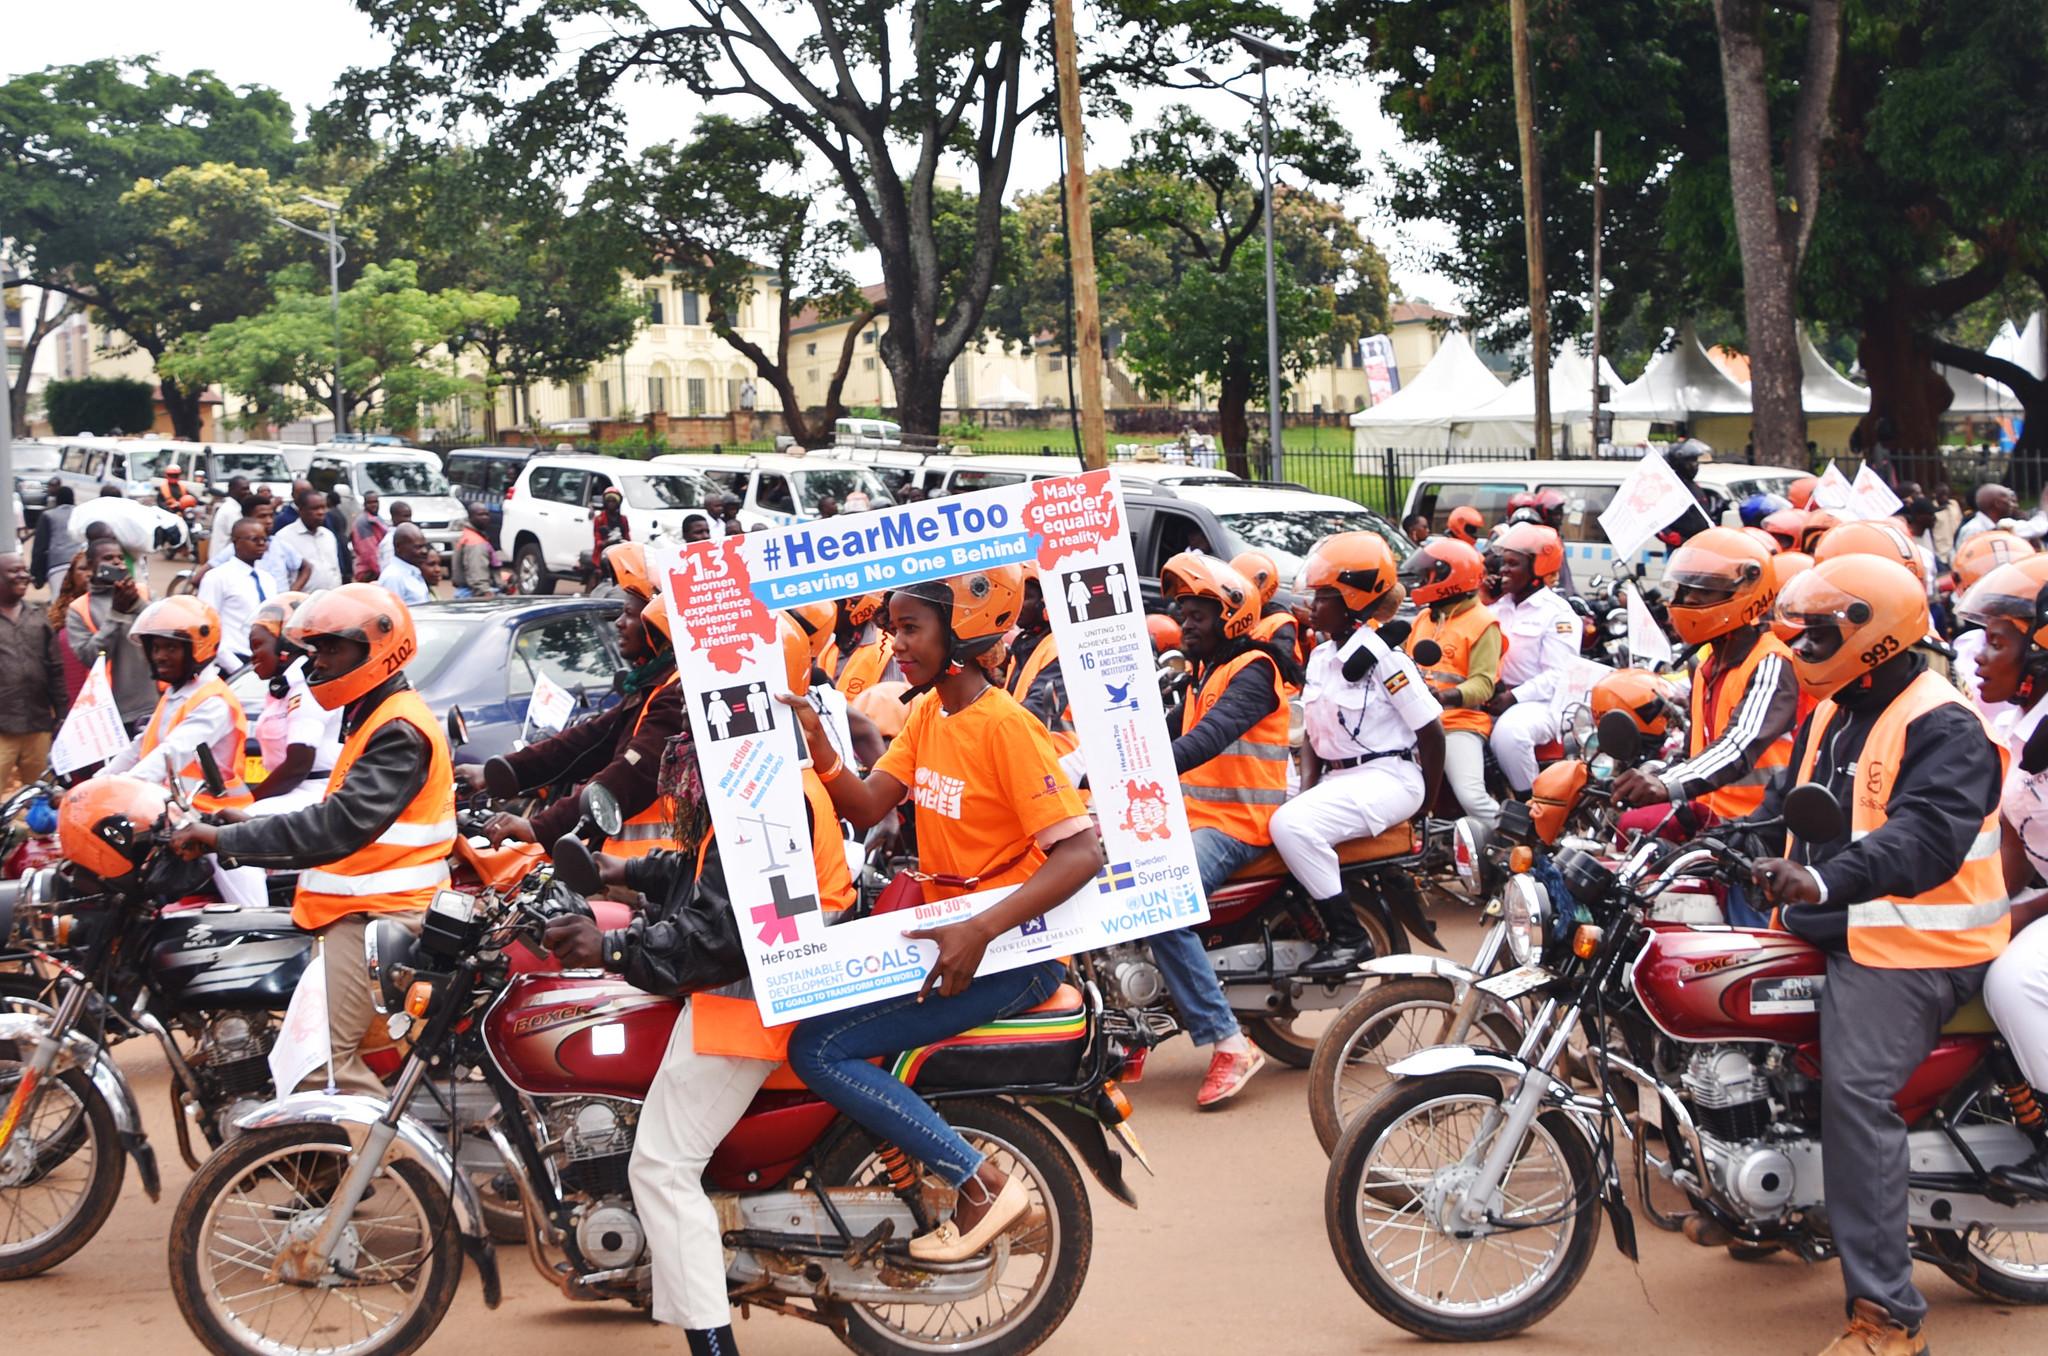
(1876, 1026)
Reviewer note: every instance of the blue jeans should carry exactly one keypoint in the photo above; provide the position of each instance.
(831, 1055)
(1197, 994)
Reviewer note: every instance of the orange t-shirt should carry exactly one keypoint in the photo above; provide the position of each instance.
(985, 782)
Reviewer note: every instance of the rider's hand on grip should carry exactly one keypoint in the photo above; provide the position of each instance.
(575, 941)
(1785, 882)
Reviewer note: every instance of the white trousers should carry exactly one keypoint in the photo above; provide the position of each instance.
(2016, 991)
(693, 1103)
(243, 886)
(1516, 733)
(1357, 802)
(1465, 770)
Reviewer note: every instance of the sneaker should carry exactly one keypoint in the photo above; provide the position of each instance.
(1228, 1073)
(1871, 1332)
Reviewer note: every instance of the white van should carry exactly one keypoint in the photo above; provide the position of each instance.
(779, 491)
(1588, 488)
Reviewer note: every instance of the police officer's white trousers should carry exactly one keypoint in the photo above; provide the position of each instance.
(1516, 733)
(2016, 991)
(1465, 770)
(246, 887)
(1357, 802)
(693, 1103)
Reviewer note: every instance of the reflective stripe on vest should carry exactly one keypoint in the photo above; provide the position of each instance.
(191, 777)
(400, 870)
(653, 829)
(1237, 791)
(1456, 636)
(1964, 920)
(1746, 794)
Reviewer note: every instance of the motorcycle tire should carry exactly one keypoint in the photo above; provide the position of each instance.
(1350, 1236)
(1962, 1257)
(91, 1126)
(1366, 1025)
(1280, 1035)
(440, 1274)
(1004, 1131)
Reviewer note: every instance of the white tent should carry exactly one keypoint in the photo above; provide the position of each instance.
(1680, 385)
(1971, 394)
(2022, 347)
(1509, 419)
(1420, 414)
(1823, 390)
(1007, 395)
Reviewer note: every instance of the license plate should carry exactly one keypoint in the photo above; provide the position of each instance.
(1515, 982)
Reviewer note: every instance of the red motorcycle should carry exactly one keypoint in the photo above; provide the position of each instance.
(342, 1221)
(1464, 1203)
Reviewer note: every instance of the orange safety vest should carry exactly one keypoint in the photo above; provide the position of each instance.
(1023, 674)
(1238, 790)
(725, 1025)
(82, 605)
(653, 827)
(1266, 630)
(401, 869)
(863, 668)
(1743, 796)
(1456, 636)
(1964, 921)
(191, 777)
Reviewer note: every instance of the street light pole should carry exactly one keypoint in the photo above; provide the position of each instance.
(331, 237)
(1273, 435)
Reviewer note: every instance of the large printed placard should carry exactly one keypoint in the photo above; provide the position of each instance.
(723, 597)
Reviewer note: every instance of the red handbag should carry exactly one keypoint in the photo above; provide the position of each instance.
(906, 890)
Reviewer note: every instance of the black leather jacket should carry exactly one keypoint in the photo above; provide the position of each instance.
(647, 954)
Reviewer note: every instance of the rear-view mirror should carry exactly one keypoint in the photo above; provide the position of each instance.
(1813, 814)
(1619, 737)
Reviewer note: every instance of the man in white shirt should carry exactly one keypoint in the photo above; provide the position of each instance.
(226, 514)
(306, 549)
(1542, 634)
(401, 514)
(236, 586)
(1995, 503)
(402, 576)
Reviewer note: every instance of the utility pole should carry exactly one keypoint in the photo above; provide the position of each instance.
(331, 238)
(1269, 54)
(1599, 202)
(1080, 242)
(1532, 222)
(7, 524)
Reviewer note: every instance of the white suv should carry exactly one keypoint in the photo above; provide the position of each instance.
(396, 474)
(548, 510)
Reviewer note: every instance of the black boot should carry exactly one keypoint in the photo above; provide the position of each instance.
(2029, 1177)
(712, 1341)
(1345, 941)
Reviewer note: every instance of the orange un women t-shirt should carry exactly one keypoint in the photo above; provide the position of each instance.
(986, 784)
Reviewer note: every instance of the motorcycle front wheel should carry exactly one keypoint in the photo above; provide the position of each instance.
(1400, 1170)
(61, 1171)
(400, 1260)
(1382, 1026)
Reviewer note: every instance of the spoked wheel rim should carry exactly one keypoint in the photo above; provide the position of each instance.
(1026, 1264)
(1401, 1029)
(1409, 1183)
(2021, 1256)
(48, 1167)
(389, 1242)
(1303, 1030)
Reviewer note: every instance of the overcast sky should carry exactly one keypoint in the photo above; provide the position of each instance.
(299, 50)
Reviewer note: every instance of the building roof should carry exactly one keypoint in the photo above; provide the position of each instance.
(1412, 312)
(809, 318)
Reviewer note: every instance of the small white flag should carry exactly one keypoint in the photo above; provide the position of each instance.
(1833, 492)
(302, 1044)
(551, 705)
(1870, 497)
(1650, 499)
(1648, 646)
(92, 732)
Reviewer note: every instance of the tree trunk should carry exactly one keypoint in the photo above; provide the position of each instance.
(1904, 387)
(1233, 395)
(32, 341)
(183, 408)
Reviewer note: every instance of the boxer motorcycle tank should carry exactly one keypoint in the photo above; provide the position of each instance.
(583, 1034)
(1731, 984)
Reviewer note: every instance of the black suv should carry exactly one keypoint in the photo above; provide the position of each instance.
(483, 475)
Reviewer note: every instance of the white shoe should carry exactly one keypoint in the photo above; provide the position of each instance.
(947, 1244)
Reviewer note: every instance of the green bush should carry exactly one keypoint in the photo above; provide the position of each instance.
(104, 405)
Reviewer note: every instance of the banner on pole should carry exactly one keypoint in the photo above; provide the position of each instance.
(1647, 643)
(1650, 499)
(1833, 493)
(723, 597)
(551, 704)
(1870, 497)
(92, 732)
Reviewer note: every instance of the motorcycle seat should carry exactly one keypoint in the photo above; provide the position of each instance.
(1041, 1045)
(1398, 841)
(1971, 1019)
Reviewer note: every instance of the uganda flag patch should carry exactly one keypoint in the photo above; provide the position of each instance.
(1396, 683)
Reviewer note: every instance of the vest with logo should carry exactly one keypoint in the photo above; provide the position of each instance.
(1238, 790)
(1455, 636)
(399, 870)
(191, 777)
(1745, 795)
(1023, 673)
(653, 827)
(1963, 921)
(863, 667)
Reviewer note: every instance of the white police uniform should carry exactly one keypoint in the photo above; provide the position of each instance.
(2016, 986)
(1542, 637)
(1364, 733)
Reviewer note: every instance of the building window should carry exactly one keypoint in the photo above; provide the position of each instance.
(867, 337)
(691, 314)
(810, 350)
(654, 307)
(577, 408)
(696, 386)
(657, 398)
(604, 399)
(867, 364)
(811, 377)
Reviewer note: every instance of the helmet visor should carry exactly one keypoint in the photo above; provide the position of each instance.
(1811, 602)
(1711, 571)
(2005, 595)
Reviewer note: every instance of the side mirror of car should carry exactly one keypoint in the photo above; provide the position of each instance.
(1813, 814)
(1619, 737)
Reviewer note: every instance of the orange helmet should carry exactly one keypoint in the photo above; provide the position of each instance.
(862, 607)
(1164, 630)
(182, 617)
(1985, 552)
(1192, 574)
(977, 607)
(1637, 694)
(2011, 594)
(1876, 605)
(1800, 491)
(1442, 567)
(1260, 568)
(366, 614)
(1787, 566)
(1731, 566)
(1872, 537)
(101, 823)
(1762, 538)
(815, 620)
(884, 705)
(1466, 524)
(1358, 565)
(172, 473)
(1541, 544)
(1787, 527)
(1819, 522)
(628, 563)
(796, 655)
(276, 611)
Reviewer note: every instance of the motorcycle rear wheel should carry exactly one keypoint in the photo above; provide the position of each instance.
(77, 1160)
(1053, 1246)
(1386, 1023)
(1291, 1037)
(2011, 1268)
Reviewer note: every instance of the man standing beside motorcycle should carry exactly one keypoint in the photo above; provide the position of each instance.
(1444, 578)
(1374, 746)
(1542, 634)
(1745, 695)
(377, 845)
(1909, 902)
(1230, 751)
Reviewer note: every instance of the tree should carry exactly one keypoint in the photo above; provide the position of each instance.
(75, 141)
(881, 93)
(397, 343)
(46, 321)
(102, 405)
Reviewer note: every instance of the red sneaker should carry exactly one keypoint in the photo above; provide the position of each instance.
(1228, 1073)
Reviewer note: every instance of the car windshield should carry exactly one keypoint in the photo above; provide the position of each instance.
(837, 483)
(35, 458)
(391, 478)
(142, 464)
(440, 637)
(257, 466)
(1289, 535)
(678, 489)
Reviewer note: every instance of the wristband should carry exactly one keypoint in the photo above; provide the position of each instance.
(827, 775)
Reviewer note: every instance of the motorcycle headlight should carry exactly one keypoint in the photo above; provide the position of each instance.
(1523, 908)
(1617, 623)
(1465, 855)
